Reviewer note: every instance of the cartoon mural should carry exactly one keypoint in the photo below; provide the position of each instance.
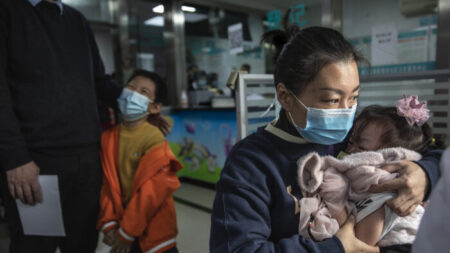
(201, 140)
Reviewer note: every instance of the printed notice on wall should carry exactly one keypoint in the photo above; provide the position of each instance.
(384, 45)
(235, 39)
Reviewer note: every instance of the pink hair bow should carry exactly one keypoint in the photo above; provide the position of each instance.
(415, 112)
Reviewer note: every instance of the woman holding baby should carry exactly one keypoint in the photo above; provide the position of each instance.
(258, 204)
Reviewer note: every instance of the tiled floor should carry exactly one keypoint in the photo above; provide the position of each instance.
(193, 222)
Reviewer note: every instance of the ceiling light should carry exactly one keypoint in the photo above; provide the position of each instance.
(188, 8)
(159, 9)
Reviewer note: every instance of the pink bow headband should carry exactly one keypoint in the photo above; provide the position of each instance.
(413, 111)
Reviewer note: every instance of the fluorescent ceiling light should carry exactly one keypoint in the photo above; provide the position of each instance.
(155, 21)
(160, 9)
(188, 8)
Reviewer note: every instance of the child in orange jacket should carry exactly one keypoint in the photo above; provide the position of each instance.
(137, 212)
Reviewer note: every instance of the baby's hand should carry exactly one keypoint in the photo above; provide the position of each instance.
(110, 237)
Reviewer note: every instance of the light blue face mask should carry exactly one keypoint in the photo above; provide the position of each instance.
(326, 126)
(133, 105)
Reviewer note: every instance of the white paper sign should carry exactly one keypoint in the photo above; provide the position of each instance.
(384, 45)
(235, 39)
(44, 218)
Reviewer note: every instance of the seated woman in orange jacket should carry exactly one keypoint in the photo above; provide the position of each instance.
(137, 212)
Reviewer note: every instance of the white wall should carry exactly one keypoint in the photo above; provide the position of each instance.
(360, 15)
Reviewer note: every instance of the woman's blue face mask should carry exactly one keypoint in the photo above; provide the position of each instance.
(325, 126)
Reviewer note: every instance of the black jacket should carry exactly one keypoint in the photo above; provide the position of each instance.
(50, 77)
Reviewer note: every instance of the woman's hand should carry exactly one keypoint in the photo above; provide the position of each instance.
(349, 241)
(411, 186)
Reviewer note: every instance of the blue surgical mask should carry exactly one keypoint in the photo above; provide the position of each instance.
(133, 105)
(326, 126)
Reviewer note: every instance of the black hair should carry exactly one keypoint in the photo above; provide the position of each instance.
(398, 133)
(159, 82)
(302, 53)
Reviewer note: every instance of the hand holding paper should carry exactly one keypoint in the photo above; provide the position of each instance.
(44, 218)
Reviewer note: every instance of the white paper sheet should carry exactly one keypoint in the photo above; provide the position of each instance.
(235, 39)
(44, 218)
(384, 45)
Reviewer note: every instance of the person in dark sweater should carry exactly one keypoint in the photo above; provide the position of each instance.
(256, 208)
(51, 75)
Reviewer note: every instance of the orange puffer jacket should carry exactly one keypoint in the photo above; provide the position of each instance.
(150, 213)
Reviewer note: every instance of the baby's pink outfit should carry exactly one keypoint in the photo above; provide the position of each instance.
(332, 185)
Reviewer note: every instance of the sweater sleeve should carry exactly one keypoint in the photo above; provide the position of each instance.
(241, 218)
(107, 89)
(239, 224)
(13, 148)
(430, 164)
(146, 202)
(108, 218)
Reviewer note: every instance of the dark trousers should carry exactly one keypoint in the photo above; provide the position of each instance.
(401, 248)
(79, 179)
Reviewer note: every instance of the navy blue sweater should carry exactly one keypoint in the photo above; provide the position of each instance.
(50, 77)
(253, 210)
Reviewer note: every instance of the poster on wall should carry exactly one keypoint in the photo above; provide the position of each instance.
(384, 45)
(416, 51)
(201, 140)
(235, 39)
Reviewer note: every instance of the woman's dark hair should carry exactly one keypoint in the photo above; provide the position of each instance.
(302, 53)
(159, 82)
(398, 133)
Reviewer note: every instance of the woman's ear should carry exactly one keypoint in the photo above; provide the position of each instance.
(154, 108)
(284, 96)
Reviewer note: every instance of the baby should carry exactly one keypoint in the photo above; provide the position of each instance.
(335, 188)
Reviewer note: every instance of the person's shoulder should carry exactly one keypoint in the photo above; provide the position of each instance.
(254, 143)
(110, 130)
(107, 134)
(259, 140)
(250, 158)
(74, 13)
(71, 10)
(260, 143)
